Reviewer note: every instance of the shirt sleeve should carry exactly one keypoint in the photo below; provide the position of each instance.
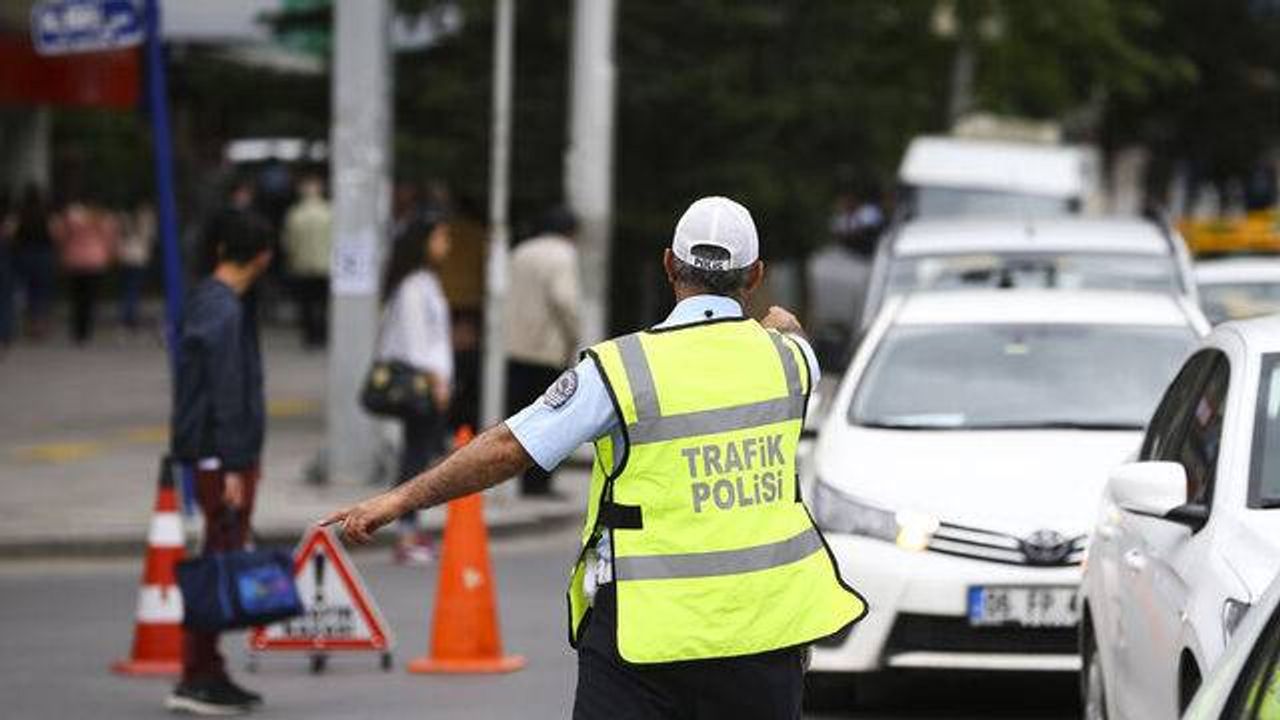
(439, 355)
(810, 358)
(564, 299)
(550, 434)
(421, 312)
(224, 358)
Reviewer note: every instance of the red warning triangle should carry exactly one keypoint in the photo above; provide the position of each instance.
(339, 611)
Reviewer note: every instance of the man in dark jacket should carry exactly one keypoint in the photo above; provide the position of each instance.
(218, 425)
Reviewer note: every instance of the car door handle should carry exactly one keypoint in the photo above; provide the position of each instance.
(1135, 560)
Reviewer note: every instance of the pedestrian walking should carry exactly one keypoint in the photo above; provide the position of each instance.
(308, 238)
(34, 260)
(541, 322)
(137, 240)
(219, 424)
(86, 237)
(701, 577)
(415, 330)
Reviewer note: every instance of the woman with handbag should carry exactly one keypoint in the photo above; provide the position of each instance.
(415, 358)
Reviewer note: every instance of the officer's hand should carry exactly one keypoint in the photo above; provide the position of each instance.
(360, 521)
(781, 320)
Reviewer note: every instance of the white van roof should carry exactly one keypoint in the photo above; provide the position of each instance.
(1002, 166)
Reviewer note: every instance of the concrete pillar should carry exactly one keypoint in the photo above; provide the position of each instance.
(589, 159)
(360, 167)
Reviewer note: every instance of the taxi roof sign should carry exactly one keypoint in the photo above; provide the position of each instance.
(63, 27)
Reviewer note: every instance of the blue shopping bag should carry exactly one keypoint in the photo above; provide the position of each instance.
(237, 589)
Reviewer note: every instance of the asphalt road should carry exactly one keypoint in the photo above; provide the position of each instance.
(64, 622)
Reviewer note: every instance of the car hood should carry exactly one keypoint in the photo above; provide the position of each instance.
(1010, 481)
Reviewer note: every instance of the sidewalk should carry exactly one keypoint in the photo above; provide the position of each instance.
(82, 431)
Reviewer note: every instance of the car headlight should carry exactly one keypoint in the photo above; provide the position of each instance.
(836, 512)
(1233, 612)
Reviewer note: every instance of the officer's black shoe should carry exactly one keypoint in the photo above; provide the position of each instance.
(211, 698)
(248, 697)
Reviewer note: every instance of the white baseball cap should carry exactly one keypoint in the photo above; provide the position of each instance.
(719, 222)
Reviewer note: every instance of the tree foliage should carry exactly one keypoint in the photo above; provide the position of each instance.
(782, 103)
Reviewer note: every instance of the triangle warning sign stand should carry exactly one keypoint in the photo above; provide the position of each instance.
(339, 611)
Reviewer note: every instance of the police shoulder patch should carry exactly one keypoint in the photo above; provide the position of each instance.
(562, 389)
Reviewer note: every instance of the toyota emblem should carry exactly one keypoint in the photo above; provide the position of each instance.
(1046, 547)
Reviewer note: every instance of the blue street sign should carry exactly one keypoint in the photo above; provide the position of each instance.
(60, 27)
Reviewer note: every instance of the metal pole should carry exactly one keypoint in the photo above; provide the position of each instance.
(589, 159)
(494, 388)
(359, 167)
(162, 152)
(166, 206)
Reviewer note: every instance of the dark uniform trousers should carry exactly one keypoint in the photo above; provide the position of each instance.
(767, 686)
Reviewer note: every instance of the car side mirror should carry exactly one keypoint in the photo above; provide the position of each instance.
(1157, 490)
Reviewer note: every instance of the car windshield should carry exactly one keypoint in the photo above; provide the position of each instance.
(951, 202)
(1102, 271)
(952, 376)
(1264, 473)
(1237, 301)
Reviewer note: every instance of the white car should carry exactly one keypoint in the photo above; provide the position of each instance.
(1188, 534)
(1238, 288)
(1246, 683)
(944, 176)
(1063, 252)
(957, 474)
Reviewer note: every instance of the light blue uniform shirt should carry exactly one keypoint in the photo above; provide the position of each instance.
(550, 434)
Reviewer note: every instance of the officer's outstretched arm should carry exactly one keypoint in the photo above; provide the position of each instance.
(486, 461)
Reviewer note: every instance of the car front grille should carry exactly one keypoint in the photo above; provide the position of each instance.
(998, 547)
(939, 633)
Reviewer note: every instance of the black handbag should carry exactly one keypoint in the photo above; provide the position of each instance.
(237, 589)
(396, 389)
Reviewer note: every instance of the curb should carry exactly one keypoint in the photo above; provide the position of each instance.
(507, 524)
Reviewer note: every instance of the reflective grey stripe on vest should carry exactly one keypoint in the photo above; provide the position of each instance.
(650, 426)
(720, 562)
(643, 392)
(789, 367)
(709, 422)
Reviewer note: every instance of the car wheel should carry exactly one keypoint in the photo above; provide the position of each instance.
(837, 692)
(828, 691)
(1093, 690)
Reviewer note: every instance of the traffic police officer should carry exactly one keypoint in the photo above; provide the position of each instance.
(701, 577)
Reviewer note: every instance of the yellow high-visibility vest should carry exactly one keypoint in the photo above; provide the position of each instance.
(714, 554)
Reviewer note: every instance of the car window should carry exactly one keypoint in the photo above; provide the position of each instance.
(1171, 413)
(997, 375)
(1198, 448)
(1068, 269)
(1264, 470)
(933, 201)
(1237, 301)
(1256, 695)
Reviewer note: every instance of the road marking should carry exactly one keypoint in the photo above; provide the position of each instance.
(63, 452)
(57, 453)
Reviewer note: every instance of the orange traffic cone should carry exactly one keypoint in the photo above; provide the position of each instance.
(464, 634)
(157, 639)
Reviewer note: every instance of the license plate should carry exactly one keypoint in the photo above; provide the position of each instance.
(1035, 606)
